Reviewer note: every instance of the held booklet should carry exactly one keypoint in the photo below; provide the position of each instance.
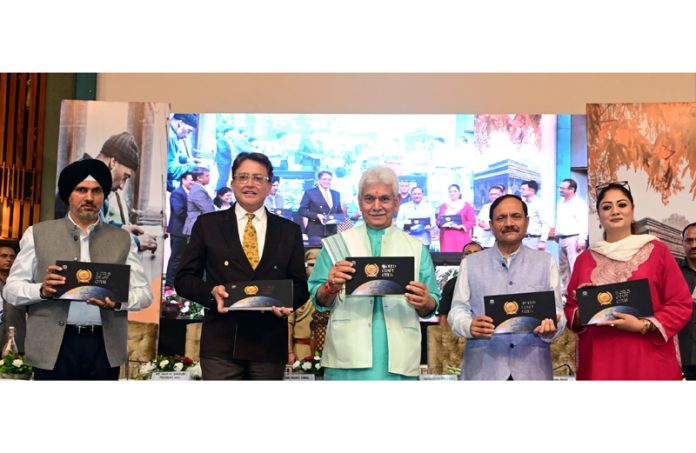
(334, 219)
(444, 220)
(596, 303)
(380, 275)
(259, 295)
(416, 225)
(99, 280)
(521, 312)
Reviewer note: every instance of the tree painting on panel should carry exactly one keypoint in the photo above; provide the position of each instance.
(656, 139)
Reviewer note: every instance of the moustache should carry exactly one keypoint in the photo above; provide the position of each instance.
(509, 229)
(380, 212)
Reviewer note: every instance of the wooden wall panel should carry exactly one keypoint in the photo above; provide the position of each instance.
(22, 109)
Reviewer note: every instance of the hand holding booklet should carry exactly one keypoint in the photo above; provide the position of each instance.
(258, 295)
(521, 312)
(596, 304)
(380, 275)
(446, 221)
(84, 281)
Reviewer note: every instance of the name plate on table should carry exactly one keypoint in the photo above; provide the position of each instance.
(416, 225)
(99, 280)
(521, 312)
(450, 219)
(380, 275)
(259, 295)
(438, 377)
(284, 213)
(596, 303)
(334, 219)
(298, 377)
(170, 376)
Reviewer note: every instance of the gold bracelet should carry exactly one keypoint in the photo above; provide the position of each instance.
(646, 327)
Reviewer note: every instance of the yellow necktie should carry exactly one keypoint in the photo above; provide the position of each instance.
(251, 243)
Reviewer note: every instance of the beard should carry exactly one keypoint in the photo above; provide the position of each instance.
(86, 216)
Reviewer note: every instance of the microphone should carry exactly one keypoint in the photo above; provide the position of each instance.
(76, 238)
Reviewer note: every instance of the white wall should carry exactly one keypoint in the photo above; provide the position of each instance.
(394, 93)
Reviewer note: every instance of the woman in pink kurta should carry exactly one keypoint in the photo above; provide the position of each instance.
(454, 237)
(629, 348)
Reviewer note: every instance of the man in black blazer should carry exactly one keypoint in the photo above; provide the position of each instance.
(243, 344)
(316, 207)
(175, 228)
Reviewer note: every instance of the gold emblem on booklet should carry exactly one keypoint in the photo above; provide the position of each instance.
(371, 270)
(511, 307)
(604, 298)
(251, 290)
(83, 275)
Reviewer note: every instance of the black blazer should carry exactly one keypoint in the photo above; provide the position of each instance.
(313, 203)
(214, 256)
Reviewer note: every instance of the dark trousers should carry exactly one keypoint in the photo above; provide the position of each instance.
(216, 369)
(178, 245)
(689, 372)
(81, 357)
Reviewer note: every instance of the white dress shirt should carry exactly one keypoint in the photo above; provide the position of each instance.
(412, 210)
(571, 217)
(538, 221)
(25, 290)
(327, 196)
(484, 237)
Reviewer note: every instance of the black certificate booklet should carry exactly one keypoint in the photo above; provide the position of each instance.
(380, 275)
(416, 225)
(100, 280)
(455, 219)
(259, 295)
(334, 219)
(520, 313)
(596, 303)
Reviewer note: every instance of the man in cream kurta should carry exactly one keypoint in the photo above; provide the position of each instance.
(373, 337)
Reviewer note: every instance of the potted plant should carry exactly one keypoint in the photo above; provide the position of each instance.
(12, 366)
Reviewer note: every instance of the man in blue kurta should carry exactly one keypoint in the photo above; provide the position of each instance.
(508, 267)
(373, 338)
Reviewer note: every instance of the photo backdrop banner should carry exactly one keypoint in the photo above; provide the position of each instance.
(432, 152)
(653, 147)
(130, 137)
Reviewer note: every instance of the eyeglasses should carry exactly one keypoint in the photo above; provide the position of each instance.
(256, 178)
(624, 184)
(384, 199)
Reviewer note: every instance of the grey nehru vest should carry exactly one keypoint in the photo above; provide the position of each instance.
(524, 356)
(60, 240)
(488, 274)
